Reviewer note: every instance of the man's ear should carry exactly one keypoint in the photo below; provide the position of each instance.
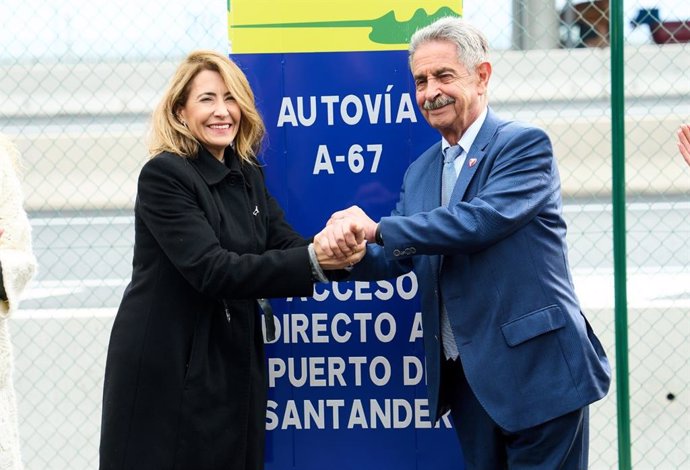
(484, 74)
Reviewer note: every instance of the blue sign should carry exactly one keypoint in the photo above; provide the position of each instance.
(346, 372)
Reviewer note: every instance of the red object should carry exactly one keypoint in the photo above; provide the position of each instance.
(670, 32)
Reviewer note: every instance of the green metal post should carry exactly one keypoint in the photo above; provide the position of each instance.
(619, 251)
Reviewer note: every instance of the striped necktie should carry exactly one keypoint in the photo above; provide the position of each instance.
(449, 175)
(450, 348)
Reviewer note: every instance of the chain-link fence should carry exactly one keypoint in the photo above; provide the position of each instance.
(79, 78)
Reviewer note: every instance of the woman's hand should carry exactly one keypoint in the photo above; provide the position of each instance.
(340, 244)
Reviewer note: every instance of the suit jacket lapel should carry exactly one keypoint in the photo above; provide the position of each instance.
(475, 156)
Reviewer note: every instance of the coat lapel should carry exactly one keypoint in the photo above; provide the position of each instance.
(475, 156)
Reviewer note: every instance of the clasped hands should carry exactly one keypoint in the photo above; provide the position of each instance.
(343, 241)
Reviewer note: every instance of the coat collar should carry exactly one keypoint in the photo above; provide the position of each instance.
(213, 171)
(486, 132)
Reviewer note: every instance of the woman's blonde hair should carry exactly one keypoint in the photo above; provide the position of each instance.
(167, 132)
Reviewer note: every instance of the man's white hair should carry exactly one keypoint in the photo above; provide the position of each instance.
(472, 45)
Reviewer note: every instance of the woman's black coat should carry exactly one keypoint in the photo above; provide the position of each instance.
(185, 381)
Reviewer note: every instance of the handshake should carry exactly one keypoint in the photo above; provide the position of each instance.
(343, 242)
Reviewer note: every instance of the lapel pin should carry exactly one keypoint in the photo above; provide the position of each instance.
(256, 210)
(471, 162)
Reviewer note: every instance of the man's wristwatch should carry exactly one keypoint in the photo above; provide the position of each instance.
(378, 238)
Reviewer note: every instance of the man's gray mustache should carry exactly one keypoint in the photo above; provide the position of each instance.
(438, 103)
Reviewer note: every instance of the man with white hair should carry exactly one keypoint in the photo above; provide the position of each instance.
(508, 350)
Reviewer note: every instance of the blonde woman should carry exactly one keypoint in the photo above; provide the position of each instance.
(17, 266)
(185, 379)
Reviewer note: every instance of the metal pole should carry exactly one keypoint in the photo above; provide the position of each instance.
(569, 24)
(535, 25)
(619, 251)
(519, 26)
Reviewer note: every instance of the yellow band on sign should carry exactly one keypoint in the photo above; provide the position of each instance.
(269, 26)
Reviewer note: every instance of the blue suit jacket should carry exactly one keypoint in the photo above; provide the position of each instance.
(527, 350)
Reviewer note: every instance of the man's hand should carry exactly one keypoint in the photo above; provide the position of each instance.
(340, 244)
(343, 241)
(357, 215)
